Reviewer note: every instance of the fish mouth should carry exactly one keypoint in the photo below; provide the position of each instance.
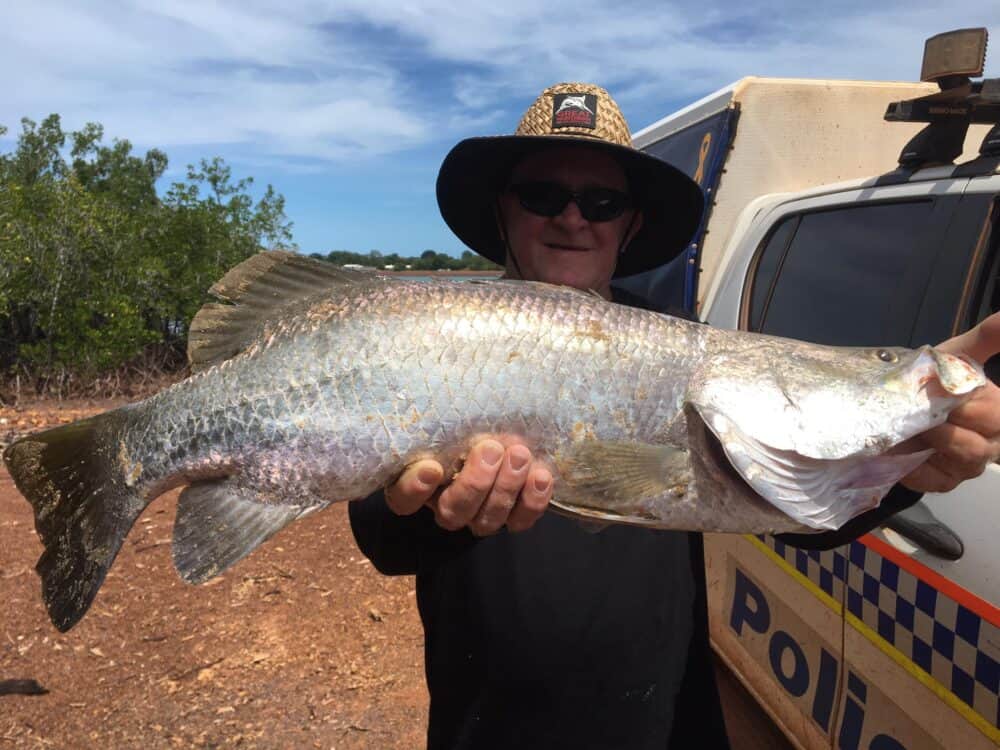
(951, 374)
(942, 380)
(821, 494)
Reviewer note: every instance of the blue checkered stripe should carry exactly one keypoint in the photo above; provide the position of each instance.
(827, 569)
(951, 643)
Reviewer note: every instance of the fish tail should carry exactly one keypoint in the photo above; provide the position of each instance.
(78, 481)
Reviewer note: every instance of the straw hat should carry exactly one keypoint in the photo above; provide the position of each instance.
(476, 170)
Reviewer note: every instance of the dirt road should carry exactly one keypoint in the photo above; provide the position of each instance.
(302, 644)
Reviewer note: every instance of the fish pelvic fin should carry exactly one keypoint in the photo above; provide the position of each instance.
(83, 493)
(263, 288)
(219, 523)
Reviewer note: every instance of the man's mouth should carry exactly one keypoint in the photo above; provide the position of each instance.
(563, 246)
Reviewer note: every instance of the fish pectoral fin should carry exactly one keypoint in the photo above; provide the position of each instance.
(219, 523)
(610, 475)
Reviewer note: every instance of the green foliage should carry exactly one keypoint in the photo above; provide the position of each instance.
(94, 265)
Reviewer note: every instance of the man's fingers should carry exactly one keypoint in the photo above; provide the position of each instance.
(961, 452)
(461, 500)
(943, 472)
(534, 499)
(414, 487)
(492, 514)
(980, 343)
(496, 486)
(981, 415)
(929, 478)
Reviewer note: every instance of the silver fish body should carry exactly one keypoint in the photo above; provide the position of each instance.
(335, 405)
(317, 385)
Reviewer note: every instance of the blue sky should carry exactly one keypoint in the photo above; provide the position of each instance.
(348, 107)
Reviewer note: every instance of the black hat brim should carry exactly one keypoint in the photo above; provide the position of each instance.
(475, 169)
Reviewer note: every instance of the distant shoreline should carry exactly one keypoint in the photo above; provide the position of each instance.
(413, 272)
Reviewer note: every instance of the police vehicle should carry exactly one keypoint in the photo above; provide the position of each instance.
(813, 232)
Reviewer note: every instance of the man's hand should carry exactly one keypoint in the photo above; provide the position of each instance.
(498, 484)
(970, 440)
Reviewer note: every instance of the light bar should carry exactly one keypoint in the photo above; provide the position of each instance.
(990, 92)
(954, 53)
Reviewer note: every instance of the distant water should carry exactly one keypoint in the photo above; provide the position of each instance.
(469, 277)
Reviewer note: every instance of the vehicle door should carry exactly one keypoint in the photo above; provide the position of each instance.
(866, 646)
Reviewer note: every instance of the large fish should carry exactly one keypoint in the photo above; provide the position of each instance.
(314, 384)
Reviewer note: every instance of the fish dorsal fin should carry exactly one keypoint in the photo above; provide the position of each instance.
(271, 278)
(219, 523)
(258, 290)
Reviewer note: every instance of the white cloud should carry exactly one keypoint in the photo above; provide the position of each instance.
(189, 73)
(334, 80)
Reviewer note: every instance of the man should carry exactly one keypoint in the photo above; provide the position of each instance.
(557, 636)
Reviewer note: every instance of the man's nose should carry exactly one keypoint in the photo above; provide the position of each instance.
(570, 216)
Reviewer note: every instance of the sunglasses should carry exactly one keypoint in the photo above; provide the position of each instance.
(550, 199)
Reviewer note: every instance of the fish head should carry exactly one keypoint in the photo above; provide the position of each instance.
(817, 430)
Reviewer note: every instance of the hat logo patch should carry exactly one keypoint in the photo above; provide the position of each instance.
(574, 111)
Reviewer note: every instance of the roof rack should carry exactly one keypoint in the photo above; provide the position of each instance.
(951, 60)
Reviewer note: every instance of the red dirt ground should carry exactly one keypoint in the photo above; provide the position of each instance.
(302, 644)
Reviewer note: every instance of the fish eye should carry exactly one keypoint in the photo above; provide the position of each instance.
(886, 356)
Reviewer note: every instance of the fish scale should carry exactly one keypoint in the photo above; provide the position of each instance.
(297, 402)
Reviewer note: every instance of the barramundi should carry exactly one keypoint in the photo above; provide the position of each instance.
(312, 384)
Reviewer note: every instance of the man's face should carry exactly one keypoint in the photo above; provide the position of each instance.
(567, 248)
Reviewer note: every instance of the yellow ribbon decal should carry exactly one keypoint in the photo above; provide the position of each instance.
(706, 145)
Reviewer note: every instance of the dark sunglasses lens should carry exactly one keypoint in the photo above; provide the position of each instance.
(549, 199)
(542, 198)
(602, 204)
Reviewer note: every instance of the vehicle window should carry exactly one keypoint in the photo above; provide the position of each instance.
(986, 295)
(767, 269)
(848, 276)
